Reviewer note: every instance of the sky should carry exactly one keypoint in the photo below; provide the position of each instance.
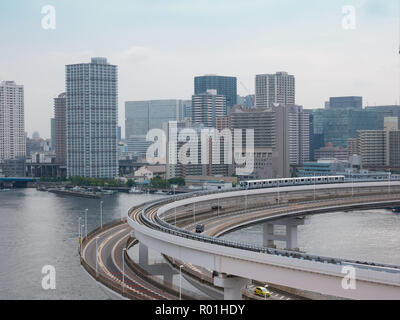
(161, 45)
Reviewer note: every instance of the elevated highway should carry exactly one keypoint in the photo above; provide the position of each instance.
(236, 263)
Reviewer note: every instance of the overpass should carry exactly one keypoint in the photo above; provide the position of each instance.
(235, 263)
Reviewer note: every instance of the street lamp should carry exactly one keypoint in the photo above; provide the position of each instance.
(173, 187)
(79, 226)
(390, 173)
(97, 253)
(82, 226)
(86, 211)
(123, 270)
(314, 186)
(79, 233)
(278, 192)
(101, 214)
(194, 212)
(180, 281)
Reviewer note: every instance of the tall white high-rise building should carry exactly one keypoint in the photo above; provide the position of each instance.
(299, 134)
(12, 121)
(92, 107)
(275, 88)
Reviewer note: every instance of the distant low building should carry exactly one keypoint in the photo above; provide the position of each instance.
(149, 172)
(210, 182)
(14, 167)
(351, 170)
(331, 152)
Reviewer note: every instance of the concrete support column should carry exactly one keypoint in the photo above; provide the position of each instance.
(167, 277)
(268, 235)
(232, 286)
(143, 255)
(291, 237)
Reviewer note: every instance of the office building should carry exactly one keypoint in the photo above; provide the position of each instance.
(12, 121)
(142, 116)
(275, 88)
(379, 148)
(207, 107)
(271, 139)
(226, 86)
(345, 103)
(92, 107)
(204, 164)
(390, 124)
(337, 126)
(331, 152)
(14, 167)
(372, 147)
(119, 133)
(52, 134)
(299, 134)
(187, 110)
(383, 112)
(352, 147)
(247, 101)
(60, 128)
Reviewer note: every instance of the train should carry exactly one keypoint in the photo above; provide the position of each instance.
(271, 183)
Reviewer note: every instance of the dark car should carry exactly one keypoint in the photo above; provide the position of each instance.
(200, 228)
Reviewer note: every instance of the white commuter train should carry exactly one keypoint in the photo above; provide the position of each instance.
(271, 183)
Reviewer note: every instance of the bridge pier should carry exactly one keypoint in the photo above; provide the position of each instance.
(143, 255)
(291, 224)
(232, 286)
(162, 269)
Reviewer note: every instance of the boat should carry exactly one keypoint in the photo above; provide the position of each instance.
(135, 191)
(75, 193)
(108, 192)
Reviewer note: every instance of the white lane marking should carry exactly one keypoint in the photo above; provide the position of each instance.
(94, 238)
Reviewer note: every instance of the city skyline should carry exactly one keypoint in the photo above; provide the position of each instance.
(160, 61)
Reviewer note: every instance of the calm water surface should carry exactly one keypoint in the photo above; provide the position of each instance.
(372, 235)
(40, 228)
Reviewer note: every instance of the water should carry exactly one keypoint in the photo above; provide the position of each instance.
(372, 235)
(40, 228)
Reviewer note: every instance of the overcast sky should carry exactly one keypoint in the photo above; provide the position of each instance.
(160, 45)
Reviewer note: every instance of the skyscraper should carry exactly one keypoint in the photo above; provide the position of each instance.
(275, 88)
(92, 105)
(299, 134)
(226, 86)
(60, 128)
(12, 121)
(142, 116)
(207, 107)
(52, 134)
(271, 139)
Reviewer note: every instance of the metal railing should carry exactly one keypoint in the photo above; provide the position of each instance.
(162, 226)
